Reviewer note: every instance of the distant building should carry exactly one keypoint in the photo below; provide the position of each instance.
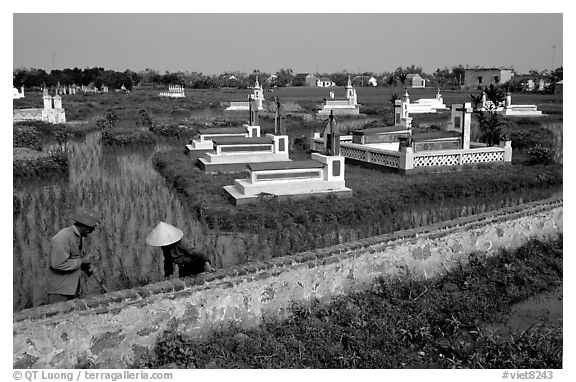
(415, 80)
(325, 83)
(481, 77)
(364, 81)
(304, 79)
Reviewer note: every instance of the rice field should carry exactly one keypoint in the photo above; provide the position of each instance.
(131, 198)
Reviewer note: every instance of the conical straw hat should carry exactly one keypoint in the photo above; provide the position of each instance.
(164, 234)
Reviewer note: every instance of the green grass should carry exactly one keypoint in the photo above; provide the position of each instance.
(401, 323)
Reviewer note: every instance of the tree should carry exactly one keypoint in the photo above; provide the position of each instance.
(489, 119)
(556, 75)
(340, 79)
(284, 77)
(402, 77)
(390, 80)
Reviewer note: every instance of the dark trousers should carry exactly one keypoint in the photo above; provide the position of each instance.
(53, 298)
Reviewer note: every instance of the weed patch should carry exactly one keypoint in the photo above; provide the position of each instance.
(398, 324)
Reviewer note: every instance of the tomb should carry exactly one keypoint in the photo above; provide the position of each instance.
(519, 110)
(322, 175)
(60, 90)
(242, 106)
(424, 105)
(435, 104)
(205, 136)
(426, 151)
(17, 94)
(508, 109)
(174, 91)
(53, 112)
(387, 137)
(341, 106)
(251, 130)
(232, 154)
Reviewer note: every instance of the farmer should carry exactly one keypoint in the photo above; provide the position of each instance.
(176, 250)
(67, 258)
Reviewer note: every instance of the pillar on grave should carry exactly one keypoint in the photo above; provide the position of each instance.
(351, 93)
(280, 119)
(57, 102)
(258, 95)
(332, 136)
(461, 119)
(253, 109)
(47, 100)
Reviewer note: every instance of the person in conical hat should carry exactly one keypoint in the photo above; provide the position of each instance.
(177, 250)
(67, 257)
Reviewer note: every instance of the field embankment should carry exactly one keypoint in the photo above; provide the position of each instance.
(439, 323)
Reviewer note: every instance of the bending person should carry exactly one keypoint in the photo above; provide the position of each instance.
(67, 258)
(177, 250)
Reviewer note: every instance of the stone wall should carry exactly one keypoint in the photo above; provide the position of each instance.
(117, 328)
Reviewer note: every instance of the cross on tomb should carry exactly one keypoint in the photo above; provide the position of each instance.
(462, 126)
(332, 136)
(253, 110)
(280, 118)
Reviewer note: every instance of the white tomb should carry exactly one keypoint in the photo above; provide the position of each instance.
(174, 91)
(257, 96)
(53, 112)
(205, 136)
(519, 110)
(233, 154)
(17, 94)
(434, 104)
(508, 109)
(322, 175)
(424, 105)
(341, 106)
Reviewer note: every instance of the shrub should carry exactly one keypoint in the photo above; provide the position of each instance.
(26, 136)
(539, 155)
(400, 323)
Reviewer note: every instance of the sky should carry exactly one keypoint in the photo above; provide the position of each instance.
(212, 43)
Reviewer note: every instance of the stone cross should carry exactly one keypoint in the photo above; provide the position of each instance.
(280, 119)
(332, 136)
(466, 110)
(253, 109)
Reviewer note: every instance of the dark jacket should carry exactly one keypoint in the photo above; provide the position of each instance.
(189, 260)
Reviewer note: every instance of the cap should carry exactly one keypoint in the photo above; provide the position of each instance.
(164, 234)
(86, 217)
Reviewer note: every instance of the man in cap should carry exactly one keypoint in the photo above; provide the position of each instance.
(67, 259)
(177, 250)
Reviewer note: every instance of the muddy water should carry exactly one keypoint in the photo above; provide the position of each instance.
(543, 309)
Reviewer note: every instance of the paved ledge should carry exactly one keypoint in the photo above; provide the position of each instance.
(229, 277)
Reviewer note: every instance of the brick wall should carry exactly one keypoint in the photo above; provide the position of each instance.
(117, 328)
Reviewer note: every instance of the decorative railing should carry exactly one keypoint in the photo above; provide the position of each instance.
(458, 157)
(239, 104)
(408, 160)
(337, 102)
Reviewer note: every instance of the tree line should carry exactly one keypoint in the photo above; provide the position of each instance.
(98, 76)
